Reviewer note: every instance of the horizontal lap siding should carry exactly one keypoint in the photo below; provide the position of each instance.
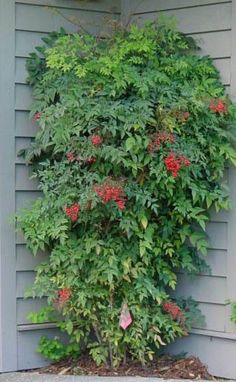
(28, 341)
(34, 21)
(197, 20)
(27, 41)
(24, 259)
(210, 24)
(24, 127)
(105, 6)
(163, 5)
(45, 19)
(24, 306)
(216, 44)
(24, 182)
(210, 289)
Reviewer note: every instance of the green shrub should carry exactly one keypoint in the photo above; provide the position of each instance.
(134, 136)
(55, 350)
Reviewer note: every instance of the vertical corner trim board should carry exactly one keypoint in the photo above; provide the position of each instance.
(8, 335)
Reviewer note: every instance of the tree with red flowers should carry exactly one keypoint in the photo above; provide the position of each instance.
(135, 132)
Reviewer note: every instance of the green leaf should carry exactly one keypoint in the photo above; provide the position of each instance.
(144, 222)
(130, 143)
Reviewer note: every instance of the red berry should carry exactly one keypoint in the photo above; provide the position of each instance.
(218, 106)
(63, 295)
(96, 140)
(73, 211)
(37, 116)
(185, 161)
(109, 193)
(151, 147)
(185, 115)
(90, 160)
(173, 163)
(121, 204)
(71, 157)
(160, 138)
(173, 310)
(182, 116)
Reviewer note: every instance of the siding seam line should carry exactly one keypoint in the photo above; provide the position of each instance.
(68, 8)
(182, 8)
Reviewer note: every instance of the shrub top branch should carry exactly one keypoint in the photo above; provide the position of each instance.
(134, 135)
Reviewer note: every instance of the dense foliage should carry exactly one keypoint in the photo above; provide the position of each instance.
(134, 136)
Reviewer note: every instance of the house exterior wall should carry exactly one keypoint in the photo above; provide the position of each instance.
(22, 25)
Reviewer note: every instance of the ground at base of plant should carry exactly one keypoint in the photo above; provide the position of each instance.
(164, 367)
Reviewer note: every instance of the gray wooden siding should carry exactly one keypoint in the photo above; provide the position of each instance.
(213, 24)
(8, 337)
(32, 22)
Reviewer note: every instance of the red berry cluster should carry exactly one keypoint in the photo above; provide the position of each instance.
(90, 160)
(37, 116)
(183, 116)
(63, 295)
(184, 160)
(73, 211)
(71, 157)
(158, 139)
(173, 310)
(218, 106)
(174, 163)
(96, 140)
(108, 192)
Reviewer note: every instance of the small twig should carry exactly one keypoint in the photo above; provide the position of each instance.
(110, 354)
(95, 328)
(71, 20)
(111, 301)
(131, 14)
(125, 357)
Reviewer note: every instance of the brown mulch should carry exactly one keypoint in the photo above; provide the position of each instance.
(163, 367)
